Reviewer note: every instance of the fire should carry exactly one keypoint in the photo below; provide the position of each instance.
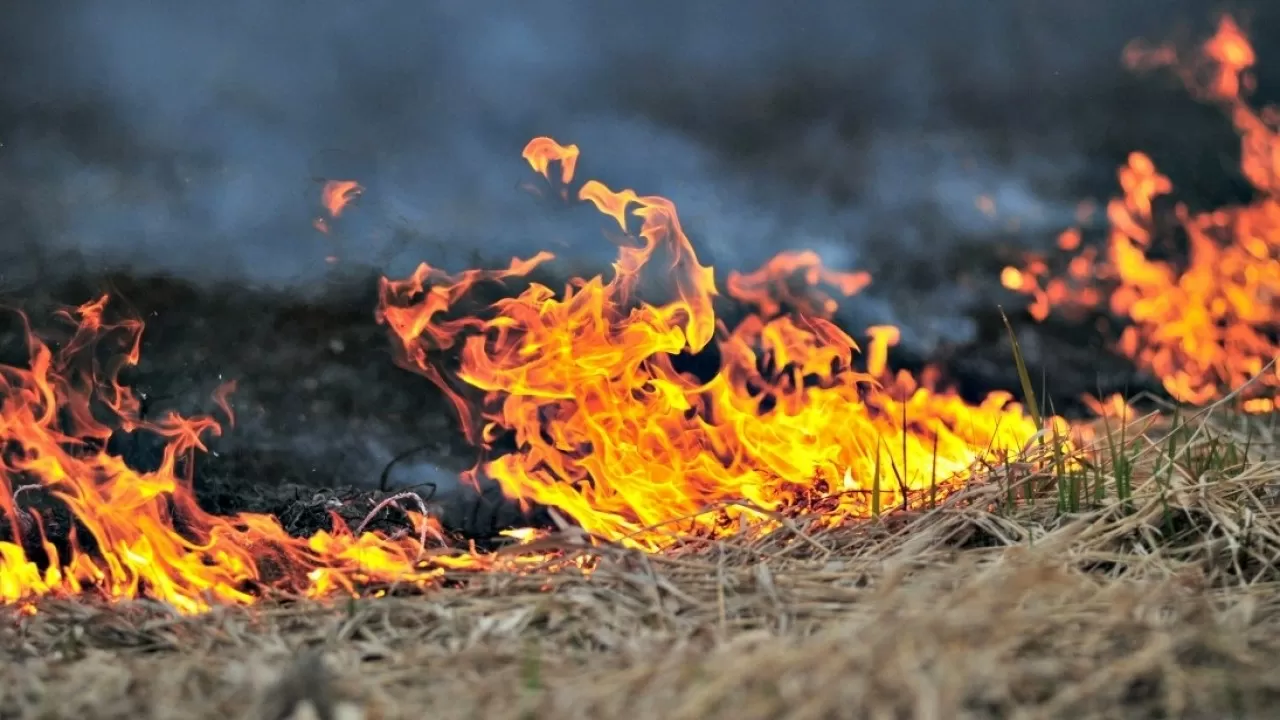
(1208, 326)
(644, 416)
(613, 432)
(129, 534)
(767, 288)
(335, 196)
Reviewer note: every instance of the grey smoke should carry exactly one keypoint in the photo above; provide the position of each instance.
(190, 138)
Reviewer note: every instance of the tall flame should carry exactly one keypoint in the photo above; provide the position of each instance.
(609, 429)
(1209, 326)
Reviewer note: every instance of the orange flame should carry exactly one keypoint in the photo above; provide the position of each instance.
(1209, 326)
(767, 288)
(129, 534)
(611, 430)
(335, 196)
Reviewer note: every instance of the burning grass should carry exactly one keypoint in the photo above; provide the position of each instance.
(1203, 319)
(1156, 598)
(788, 530)
(589, 391)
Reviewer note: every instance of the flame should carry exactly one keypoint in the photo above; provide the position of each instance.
(335, 196)
(1208, 326)
(130, 534)
(613, 432)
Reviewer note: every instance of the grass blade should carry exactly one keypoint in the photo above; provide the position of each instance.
(1024, 377)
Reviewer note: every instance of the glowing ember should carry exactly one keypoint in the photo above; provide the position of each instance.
(612, 432)
(1209, 326)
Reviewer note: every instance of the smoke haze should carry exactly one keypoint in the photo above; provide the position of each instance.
(192, 138)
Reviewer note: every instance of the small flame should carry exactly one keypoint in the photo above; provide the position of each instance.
(335, 196)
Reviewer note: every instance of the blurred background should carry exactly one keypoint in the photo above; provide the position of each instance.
(174, 154)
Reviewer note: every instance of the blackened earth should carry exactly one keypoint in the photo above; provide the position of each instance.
(323, 412)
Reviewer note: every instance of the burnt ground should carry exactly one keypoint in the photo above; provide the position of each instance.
(322, 410)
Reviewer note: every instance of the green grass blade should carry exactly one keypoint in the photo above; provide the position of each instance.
(1024, 377)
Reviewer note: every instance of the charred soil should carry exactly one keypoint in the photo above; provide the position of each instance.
(322, 411)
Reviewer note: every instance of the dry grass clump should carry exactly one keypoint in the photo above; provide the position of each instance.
(1155, 596)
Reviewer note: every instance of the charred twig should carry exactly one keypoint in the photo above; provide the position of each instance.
(394, 501)
(25, 517)
(24, 488)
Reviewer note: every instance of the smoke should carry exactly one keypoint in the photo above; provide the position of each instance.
(192, 138)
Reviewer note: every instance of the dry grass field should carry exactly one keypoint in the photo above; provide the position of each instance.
(1156, 598)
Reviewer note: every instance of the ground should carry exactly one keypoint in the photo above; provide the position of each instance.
(1155, 605)
(1053, 594)
(1164, 609)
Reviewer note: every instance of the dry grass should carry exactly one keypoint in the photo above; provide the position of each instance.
(1161, 603)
